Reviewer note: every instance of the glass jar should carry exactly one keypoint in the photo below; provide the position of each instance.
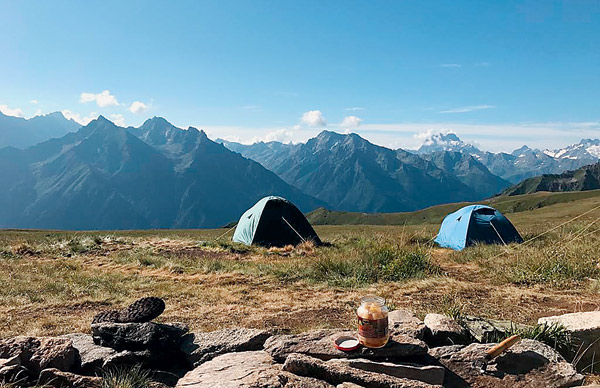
(372, 322)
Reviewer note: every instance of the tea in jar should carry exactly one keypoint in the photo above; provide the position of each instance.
(372, 322)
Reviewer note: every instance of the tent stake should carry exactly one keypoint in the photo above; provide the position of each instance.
(295, 231)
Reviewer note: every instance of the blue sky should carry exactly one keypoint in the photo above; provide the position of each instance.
(499, 73)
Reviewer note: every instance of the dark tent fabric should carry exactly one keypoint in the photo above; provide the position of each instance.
(476, 224)
(274, 221)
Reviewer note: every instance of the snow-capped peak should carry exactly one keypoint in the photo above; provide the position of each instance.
(444, 141)
(586, 149)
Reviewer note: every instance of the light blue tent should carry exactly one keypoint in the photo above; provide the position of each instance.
(274, 221)
(476, 224)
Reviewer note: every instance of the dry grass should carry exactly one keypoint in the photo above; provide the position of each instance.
(54, 282)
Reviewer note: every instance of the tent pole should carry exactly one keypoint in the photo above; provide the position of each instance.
(496, 230)
(295, 231)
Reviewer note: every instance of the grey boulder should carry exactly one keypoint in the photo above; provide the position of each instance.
(254, 369)
(201, 347)
(443, 330)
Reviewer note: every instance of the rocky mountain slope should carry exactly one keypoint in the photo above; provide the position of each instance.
(353, 174)
(582, 179)
(106, 177)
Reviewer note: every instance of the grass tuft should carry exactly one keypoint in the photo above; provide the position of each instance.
(126, 377)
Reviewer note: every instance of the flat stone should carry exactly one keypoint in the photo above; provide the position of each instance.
(53, 377)
(38, 353)
(201, 347)
(348, 385)
(319, 344)
(488, 330)
(338, 372)
(430, 374)
(443, 330)
(92, 356)
(255, 369)
(585, 331)
(151, 336)
(527, 364)
(407, 323)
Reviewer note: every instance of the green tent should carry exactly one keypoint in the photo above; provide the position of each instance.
(274, 221)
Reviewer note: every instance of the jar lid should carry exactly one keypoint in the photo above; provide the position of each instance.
(346, 343)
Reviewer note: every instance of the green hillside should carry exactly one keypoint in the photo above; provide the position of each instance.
(434, 214)
(582, 179)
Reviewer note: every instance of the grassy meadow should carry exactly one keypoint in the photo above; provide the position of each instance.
(53, 282)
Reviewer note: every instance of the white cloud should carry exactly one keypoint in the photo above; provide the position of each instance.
(355, 108)
(138, 107)
(350, 122)
(102, 99)
(252, 108)
(16, 112)
(282, 135)
(33, 101)
(465, 109)
(482, 64)
(450, 65)
(314, 118)
(38, 112)
(118, 119)
(69, 115)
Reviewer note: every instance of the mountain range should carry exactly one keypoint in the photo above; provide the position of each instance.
(102, 176)
(155, 176)
(523, 162)
(352, 174)
(22, 133)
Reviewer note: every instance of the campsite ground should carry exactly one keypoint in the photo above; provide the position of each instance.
(54, 282)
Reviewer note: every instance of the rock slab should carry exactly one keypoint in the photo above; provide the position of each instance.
(527, 364)
(201, 347)
(443, 330)
(53, 377)
(585, 331)
(38, 353)
(430, 374)
(338, 372)
(407, 323)
(319, 344)
(151, 336)
(253, 369)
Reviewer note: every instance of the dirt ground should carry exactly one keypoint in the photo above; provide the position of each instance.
(53, 293)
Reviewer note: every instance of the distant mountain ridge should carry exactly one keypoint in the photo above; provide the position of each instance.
(22, 133)
(106, 177)
(582, 179)
(353, 174)
(523, 162)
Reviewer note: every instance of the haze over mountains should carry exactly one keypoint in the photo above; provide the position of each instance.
(159, 176)
(22, 133)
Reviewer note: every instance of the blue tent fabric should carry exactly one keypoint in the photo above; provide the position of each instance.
(476, 224)
(274, 221)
